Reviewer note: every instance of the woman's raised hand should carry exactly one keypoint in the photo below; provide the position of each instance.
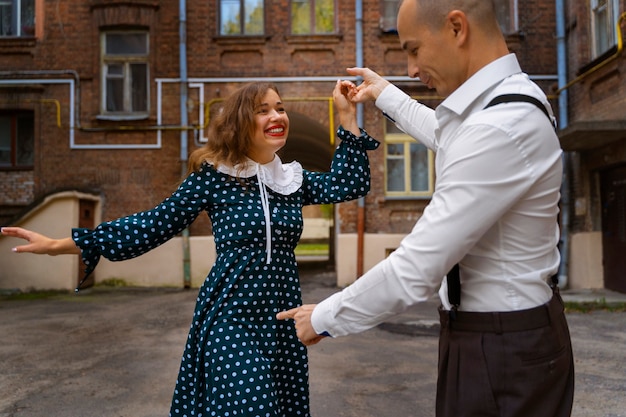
(371, 87)
(345, 106)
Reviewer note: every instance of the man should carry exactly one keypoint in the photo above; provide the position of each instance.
(505, 348)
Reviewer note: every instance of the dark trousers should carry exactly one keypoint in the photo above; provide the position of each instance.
(510, 364)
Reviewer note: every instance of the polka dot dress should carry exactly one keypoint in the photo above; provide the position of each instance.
(238, 359)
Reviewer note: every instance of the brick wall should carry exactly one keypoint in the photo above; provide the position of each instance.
(134, 180)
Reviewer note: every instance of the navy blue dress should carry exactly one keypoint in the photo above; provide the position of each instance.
(239, 360)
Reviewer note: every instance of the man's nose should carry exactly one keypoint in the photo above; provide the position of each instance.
(413, 70)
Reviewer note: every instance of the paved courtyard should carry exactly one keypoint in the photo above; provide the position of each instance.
(115, 353)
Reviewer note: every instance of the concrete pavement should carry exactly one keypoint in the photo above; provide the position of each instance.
(115, 352)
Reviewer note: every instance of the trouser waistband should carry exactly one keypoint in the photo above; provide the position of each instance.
(501, 322)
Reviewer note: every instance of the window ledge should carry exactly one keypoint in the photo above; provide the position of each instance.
(123, 117)
(241, 39)
(95, 4)
(390, 36)
(17, 45)
(597, 61)
(407, 198)
(314, 38)
(5, 168)
(27, 40)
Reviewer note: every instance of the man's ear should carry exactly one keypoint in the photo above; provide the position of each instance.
(458, 25)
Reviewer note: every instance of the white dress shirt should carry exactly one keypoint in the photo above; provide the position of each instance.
(494, 209)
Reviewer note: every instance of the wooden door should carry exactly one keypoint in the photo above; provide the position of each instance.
(86, 219)
(613, 190)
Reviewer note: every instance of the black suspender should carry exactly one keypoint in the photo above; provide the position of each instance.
(507, 98)
(454, 278)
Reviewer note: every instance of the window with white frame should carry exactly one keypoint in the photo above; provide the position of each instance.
(125, 73)
(389, 15)
(17, 17)
(312, 17)
(17, 139)
(506, 12)
(409, 165)
(241, 17)
(603, 26)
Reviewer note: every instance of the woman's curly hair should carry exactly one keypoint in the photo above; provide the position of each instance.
(231, 129)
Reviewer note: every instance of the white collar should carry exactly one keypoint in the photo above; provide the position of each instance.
(282, 178)
(481, 81)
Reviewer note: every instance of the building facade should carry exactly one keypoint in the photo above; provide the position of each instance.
(592, 93)
(106, 99)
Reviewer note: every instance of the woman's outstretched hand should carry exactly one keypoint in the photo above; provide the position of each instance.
(40, 244)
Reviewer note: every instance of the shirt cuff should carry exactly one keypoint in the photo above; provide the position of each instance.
(388, 100)
(320, 312)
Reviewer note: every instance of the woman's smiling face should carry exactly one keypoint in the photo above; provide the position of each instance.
(271, 128)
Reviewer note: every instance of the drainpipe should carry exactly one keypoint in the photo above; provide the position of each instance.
(561, 51)
(359, 118)
(183, 133)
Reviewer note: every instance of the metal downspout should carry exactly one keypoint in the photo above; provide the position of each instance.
(561, 49)
(183, 133)
(359, 117)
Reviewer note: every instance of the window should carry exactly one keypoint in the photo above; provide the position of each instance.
(506, 11)
(310, 17)
(409, 165)
(603, 25)
(389, 16)
(241, 17)
(125, 73)
(17, 139)
(17, 17)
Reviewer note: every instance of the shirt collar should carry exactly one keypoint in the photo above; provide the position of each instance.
(488, 76)
(281, 178)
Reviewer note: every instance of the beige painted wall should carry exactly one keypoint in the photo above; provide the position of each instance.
(163, 266)
(375, 247)
(585, 263)
(54, 217)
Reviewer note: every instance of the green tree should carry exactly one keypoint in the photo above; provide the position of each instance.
(255, 21)
(231, 27)
(324, 16)
(300, 17)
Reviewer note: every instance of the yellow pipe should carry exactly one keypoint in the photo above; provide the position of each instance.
(207, 107)
(331, 123)
(41, 100)
(603, 63)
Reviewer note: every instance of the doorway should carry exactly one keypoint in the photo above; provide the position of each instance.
(310, 144)
(86, 219)
(613, 194)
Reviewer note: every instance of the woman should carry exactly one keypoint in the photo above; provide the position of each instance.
(238, 359)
